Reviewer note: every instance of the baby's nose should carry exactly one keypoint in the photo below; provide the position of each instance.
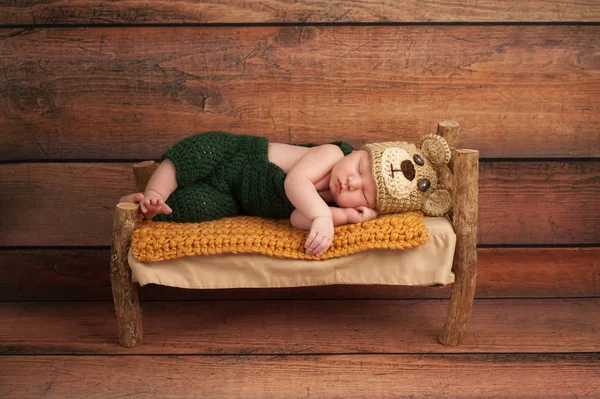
(352, 183)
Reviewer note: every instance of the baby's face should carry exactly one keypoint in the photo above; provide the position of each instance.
(352, 183)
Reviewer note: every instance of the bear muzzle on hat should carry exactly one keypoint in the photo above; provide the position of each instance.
(406, 177)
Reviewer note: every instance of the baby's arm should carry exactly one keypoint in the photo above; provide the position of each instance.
(340, 216)
(160, 186)
(300, 190)
(300, 221)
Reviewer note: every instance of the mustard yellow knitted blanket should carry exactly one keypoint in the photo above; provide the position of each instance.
(155, 241)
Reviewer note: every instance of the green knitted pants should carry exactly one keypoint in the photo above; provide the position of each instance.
(221, 174)
(199, 203)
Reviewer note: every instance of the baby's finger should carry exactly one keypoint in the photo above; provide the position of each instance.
(312, 249)
(321, 247)
(312, 239)
(309, 240)
(325, 244)
(167, 209)
(143, 205)
(312, 244)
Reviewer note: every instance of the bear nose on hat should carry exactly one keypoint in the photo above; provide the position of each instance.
(408, 170)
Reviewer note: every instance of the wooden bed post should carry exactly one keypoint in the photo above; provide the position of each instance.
(127, 304)
(461, 176)
(449, 131)
(142, 172)
(465, 192)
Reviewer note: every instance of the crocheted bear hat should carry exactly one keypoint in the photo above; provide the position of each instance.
(406, 177)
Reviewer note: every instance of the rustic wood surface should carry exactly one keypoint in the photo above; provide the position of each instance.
(465, 221)
(125, 297)
(303, 327)
(449, 130)
(303, 11)
(142, 173)
(82, 274)
(550, 376)
(129, 93)
(126, 92)
(520, 202)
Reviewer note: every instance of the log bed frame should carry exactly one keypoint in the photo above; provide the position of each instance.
(461, 176)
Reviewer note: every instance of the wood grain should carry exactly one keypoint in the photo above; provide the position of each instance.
(517, 91)
(125, 297)
(520, 202)
(60, 12)
(82, 274)
(465, 191)
(303, 327)
(539, 203)
(367, 376)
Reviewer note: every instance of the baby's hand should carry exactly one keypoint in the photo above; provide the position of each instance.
(320, 236)
(153, 204)
(360, 214)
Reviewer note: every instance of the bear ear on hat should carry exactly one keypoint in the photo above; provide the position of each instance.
(436, 149)
(438, 203)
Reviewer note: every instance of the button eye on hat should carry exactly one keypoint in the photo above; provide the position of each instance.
(424, 185)
(418, 160)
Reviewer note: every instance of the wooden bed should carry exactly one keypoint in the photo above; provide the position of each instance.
(461, 176)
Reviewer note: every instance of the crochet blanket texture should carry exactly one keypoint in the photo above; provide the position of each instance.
(156, 241)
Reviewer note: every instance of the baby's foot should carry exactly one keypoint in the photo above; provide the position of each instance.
(134, 198)
(153, 204)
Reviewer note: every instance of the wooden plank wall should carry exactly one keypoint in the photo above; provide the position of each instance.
(89, 87)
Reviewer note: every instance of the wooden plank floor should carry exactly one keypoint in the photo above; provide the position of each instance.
(331, 376)
(547, 348)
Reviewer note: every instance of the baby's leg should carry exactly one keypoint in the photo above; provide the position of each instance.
(196, 157)
(199, 203)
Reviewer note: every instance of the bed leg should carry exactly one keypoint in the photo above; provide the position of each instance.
(466, 171)
(127, 305)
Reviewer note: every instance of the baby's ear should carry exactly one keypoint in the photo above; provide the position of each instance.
(436, 149)
(438, 203)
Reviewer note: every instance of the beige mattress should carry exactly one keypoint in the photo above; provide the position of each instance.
(427, 264)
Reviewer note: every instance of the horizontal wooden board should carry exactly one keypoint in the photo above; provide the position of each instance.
(300, 11)
(129, 93)
(342, 376)
(82, 274)
(539, 203)
(302, 327)
(520, 202)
